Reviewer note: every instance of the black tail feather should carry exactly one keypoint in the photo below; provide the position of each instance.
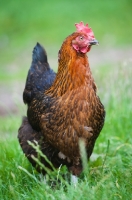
(39, 54)
(40, 76)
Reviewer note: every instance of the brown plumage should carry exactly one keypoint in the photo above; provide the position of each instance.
(67, 111)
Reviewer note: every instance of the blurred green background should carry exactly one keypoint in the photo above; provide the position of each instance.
(22, 23)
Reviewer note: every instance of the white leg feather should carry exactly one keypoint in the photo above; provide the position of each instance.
(74, 180)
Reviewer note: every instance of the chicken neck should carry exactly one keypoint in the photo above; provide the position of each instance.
(73, 71)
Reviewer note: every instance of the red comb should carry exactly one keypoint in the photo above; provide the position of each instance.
(85, 29)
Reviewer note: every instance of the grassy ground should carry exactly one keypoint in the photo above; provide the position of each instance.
(110, 169)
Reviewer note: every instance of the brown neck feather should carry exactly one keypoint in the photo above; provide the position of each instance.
(73, 71)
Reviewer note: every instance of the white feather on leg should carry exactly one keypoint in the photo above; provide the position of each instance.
(74, 180)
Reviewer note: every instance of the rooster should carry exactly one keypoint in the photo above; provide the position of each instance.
(67, 110)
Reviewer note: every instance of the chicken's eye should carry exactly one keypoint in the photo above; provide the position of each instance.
(81, 37)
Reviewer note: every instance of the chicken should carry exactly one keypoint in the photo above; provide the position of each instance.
(69, 111)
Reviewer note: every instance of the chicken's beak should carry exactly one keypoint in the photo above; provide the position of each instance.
(94, 42)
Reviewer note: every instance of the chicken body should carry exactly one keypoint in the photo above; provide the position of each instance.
(69, 110)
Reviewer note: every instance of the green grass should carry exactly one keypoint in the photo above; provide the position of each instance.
(49, 22)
